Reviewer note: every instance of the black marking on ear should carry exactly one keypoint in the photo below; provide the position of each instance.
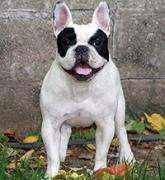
(65, 40)
(102, 47)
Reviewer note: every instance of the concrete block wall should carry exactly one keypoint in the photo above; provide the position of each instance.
(27, 49)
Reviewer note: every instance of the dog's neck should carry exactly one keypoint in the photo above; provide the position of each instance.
(78, 89)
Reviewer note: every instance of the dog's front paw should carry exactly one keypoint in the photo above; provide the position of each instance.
(48, 176)
(51, 172)
(127, 156)
(99, 165)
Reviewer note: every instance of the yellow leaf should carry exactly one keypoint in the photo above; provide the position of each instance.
(71, 175)
(91, 147)
(42, 161)
(74, 175)
(158, 117)
(27, 155)
(31, 139)
(156, 121)
(115, 142)
(62, 172)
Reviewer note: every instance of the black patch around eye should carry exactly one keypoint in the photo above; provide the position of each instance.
(102, 49)
(65, 40)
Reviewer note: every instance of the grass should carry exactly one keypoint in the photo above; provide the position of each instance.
(13, 168)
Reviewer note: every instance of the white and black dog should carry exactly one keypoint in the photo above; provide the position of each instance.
(82, 87)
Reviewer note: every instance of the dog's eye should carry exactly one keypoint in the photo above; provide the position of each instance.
(66, 42)
(97, 42)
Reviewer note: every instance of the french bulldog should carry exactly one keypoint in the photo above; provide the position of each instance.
(82, 87)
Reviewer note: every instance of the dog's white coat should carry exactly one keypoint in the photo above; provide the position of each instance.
(66, 102)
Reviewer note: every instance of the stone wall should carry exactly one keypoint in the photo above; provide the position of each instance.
(27, 49)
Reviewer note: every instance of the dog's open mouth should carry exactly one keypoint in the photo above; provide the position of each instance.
(82, 71)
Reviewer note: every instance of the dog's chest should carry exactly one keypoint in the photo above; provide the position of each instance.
(83, 109)
(82, 113)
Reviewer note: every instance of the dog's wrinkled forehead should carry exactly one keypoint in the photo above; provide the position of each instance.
(84, 32)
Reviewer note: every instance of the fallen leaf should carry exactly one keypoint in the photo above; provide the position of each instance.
(11, 165)
(86, 156)
(74, 175)
(70, 175)
(14, 164)
(31, 139)
(70, 151)
(27, 155)
(10, 133)
(116, 170)
(115, 142)
(42, 161)
(91, 148)
(158, 117)
(156, 120)
(146, 132)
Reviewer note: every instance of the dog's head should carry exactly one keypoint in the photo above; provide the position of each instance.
(82, 49)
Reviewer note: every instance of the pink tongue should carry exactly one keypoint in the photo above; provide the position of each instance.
(83, 69)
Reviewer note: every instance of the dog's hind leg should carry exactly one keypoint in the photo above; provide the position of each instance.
(65, 135)
(126, 154)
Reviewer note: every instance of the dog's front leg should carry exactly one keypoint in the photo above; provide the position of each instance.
(104, 134)
(51, 137)
(65, 135)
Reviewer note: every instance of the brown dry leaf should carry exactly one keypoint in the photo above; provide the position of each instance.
(86, 156)
(156, 120)
(31, 139)
(10, 133)
(70, 152)
(146, 132)
(11, 165)
(27, 155)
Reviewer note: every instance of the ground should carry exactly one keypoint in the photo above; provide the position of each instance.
(23, 160)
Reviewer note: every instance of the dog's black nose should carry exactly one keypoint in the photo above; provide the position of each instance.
(81, 49)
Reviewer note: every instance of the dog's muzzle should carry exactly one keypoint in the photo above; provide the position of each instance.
(82, 71)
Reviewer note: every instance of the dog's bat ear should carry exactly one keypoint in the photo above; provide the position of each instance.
(102, 17)
(61, 17)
